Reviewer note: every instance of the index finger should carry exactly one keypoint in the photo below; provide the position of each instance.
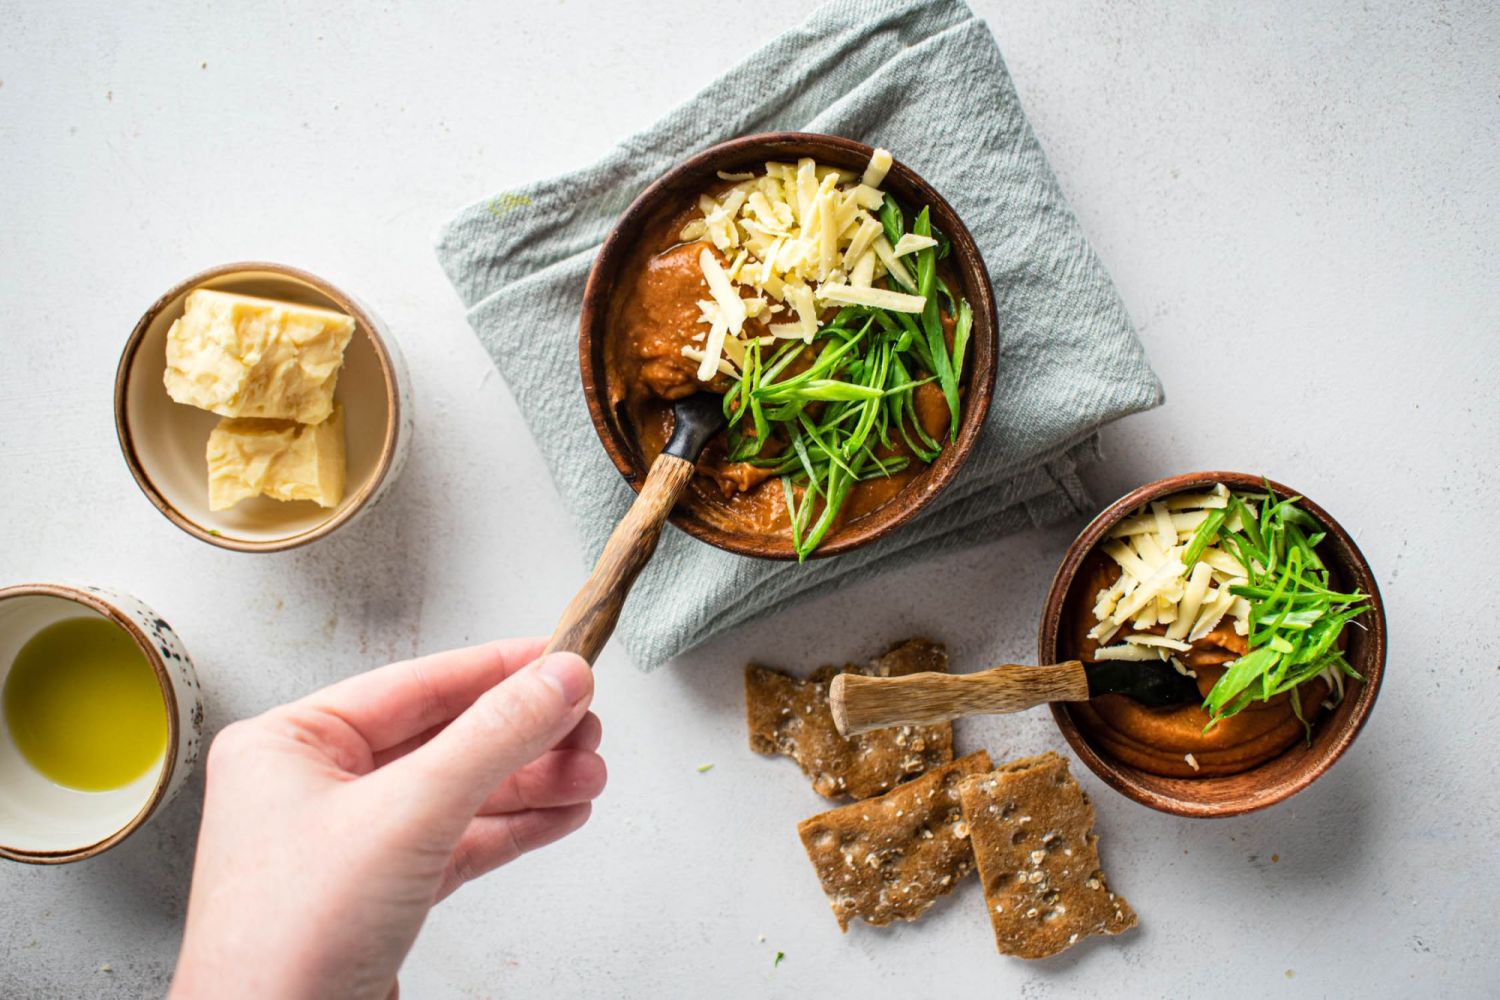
(402, 700)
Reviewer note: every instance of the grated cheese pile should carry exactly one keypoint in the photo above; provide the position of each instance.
(1155, 587)
(799, 237)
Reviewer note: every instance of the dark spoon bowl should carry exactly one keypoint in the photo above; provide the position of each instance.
(677, 188)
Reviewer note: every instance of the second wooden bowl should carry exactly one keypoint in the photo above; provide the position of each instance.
(679, 187)
(1277, 779)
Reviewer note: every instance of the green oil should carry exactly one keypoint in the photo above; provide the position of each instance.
(82, 704)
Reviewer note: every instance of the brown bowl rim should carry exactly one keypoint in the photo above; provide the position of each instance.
(614, 253)
(388, 446)
(1124, 778)
(169, 693)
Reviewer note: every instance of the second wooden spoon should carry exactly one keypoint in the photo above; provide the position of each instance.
(861, 703)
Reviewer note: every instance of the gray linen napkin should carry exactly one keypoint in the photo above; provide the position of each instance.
(925, 80)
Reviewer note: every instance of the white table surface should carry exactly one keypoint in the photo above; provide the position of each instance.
(1301, 210)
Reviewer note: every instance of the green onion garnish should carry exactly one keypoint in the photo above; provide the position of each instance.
(1295, 614)
(826, 415)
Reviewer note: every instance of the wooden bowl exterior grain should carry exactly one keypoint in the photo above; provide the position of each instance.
(678, 187)
(1277, 779)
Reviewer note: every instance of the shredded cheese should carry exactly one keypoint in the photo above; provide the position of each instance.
(1126, 651)
(801, 300)
(880, 162)
(1155, 589)
(911, 243)
(796, 238)
(892, 264)
(731, 306)
(694, 354)
(864, 239)
(1157, 640)
(882, 298)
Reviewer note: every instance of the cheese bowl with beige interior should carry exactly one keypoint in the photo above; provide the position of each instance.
(209, 457)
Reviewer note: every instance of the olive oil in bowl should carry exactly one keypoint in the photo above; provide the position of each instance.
(83, 706)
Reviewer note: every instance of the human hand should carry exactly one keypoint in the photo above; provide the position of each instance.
(331, 825)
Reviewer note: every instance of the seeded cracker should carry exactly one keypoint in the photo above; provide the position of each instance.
(890, 858)
(1032, 833)
(791, 716)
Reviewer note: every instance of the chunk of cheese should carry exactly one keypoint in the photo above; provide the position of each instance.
(241, 356)
(280, 459)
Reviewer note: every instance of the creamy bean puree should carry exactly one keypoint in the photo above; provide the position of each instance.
(1160, 740)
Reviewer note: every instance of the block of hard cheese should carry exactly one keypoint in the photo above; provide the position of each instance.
(241, 356)
(1032, 829)
(281, 459)
(892, 857)
(791, 716)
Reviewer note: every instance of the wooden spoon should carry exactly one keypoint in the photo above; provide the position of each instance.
(861, 703)
(589, 619)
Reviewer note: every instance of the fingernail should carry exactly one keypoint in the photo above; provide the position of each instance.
(568, 675)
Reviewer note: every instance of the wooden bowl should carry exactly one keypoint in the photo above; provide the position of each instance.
(163, 441)
(1277, 779)
(677, 188)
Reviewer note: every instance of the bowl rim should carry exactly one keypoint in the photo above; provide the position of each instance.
(912, 499)
(107, 608)
(388, 371)
(1122, 777)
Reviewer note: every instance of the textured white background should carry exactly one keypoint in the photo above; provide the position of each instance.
(1301, 209)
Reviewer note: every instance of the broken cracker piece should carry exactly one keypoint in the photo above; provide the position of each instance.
(890, 858)
(791, 716)
(1032, 832)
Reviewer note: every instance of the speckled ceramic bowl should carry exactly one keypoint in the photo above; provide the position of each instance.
(164, 441)
(46, 824)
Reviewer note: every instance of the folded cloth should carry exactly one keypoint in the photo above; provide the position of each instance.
(925, 80)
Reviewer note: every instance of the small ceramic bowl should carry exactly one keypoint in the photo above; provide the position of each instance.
(164, 441)
(677, 188)
(46, 824)
(1277, 779)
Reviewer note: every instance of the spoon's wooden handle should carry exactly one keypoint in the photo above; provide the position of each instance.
(589, 619)
(862, 703)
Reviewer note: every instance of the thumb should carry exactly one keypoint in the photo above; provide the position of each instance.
(447, 778)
